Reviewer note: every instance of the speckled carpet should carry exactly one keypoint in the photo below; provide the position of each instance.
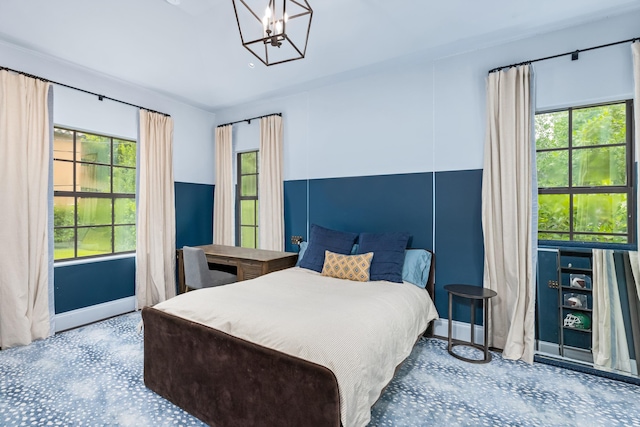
(92, 376)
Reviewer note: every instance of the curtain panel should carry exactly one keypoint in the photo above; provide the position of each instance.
(156, 221)
(609, 340)
(271, 184)
(224, 200)
(508, 210)
(24, 220)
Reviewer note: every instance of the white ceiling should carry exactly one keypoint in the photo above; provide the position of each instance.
(192, 52)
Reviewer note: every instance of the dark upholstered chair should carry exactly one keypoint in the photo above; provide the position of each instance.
(197, 274)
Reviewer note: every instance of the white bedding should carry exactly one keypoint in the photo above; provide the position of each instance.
(359, 330)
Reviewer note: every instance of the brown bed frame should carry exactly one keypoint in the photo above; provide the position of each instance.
(227, 382)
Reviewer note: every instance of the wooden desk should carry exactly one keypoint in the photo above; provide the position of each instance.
(250, 263)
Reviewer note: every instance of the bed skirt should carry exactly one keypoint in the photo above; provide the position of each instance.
(227, 382)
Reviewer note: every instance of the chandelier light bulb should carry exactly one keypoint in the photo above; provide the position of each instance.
(279, 27)
(267, 12)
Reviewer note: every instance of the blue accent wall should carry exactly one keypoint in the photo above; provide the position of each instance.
(295, 212)
(375, 204)
(84, 285)
(194, 214)
(459, 243)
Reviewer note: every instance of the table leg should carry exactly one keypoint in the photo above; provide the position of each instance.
(485, 326)
(450, 315)
(473, 321)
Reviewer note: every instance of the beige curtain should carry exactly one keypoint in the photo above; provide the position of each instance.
(156, 226)
(24, 185)
(609, 339)
(270, 185)
(507, 212)
(223, 201)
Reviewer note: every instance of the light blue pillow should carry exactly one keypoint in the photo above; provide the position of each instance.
(303, 249)
(417, 263)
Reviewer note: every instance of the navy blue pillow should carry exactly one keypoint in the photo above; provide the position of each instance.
(388, 254)
(323, 239)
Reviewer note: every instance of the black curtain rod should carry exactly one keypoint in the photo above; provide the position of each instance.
(249, 120)
(574, 55)
(100, 97)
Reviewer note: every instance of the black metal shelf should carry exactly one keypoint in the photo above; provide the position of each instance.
(573, 288)
(586, 310)
(576, 329)
(576, 270)
(563, 271)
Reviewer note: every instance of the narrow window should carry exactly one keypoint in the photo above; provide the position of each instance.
(585, 182)
(94, 202)
(247, 200)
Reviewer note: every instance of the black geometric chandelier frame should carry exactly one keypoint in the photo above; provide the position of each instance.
(276, 33)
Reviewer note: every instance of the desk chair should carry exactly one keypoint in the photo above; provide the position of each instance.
(197, 274)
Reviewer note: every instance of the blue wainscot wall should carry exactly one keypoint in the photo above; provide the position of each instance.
(402, 202)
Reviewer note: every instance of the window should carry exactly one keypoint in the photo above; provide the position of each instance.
(94, 202)
(585, 181)
(247, 200)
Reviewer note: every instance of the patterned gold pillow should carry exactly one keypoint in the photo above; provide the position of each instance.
(350, 267)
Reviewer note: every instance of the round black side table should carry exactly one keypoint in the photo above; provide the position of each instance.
(471, 293)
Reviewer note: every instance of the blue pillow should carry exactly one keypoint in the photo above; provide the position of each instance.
(388, 254)
(323, 239)
(303, 249)
(417, 264)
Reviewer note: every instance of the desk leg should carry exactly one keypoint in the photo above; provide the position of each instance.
(182, 287)
(449, 328)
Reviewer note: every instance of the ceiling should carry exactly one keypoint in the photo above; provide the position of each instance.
(192, 52)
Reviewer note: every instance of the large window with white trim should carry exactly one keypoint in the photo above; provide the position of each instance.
(584, 162)
(94, 201)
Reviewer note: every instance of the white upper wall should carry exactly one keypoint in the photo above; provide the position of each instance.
(430, 115)
(193, 148)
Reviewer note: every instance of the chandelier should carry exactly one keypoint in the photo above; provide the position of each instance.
(275, 31)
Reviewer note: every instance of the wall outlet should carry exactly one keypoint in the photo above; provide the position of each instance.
(553, 284)
(295, 240)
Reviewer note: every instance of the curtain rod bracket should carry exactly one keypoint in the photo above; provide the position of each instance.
(575, 55)
(100, 98)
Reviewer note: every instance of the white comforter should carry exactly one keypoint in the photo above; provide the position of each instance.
(359, 330)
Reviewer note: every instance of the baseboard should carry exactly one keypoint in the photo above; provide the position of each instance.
(459, 330)
(83, 316)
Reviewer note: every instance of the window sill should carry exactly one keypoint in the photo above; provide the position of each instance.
(552, 244)
(93, 260)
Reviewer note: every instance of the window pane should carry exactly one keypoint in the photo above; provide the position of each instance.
(553, 236)
(600, 213)
(553, 168)
(62, 144)
(93, 178)
(125, 211)
(602, 238)
(595, 167)
(124, 180)
(94, 241)
(249, 162)
(62, 176)
(125, 236)
(248, 237)
(248, 212)
(552, 130)
(249, 186)
(63, 243)
(93, 148)
(124, 153)
(600, 125)
(63, 211)
(553, 212)
(94, 211)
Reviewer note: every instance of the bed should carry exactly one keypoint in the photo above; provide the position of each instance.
(286, 349)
